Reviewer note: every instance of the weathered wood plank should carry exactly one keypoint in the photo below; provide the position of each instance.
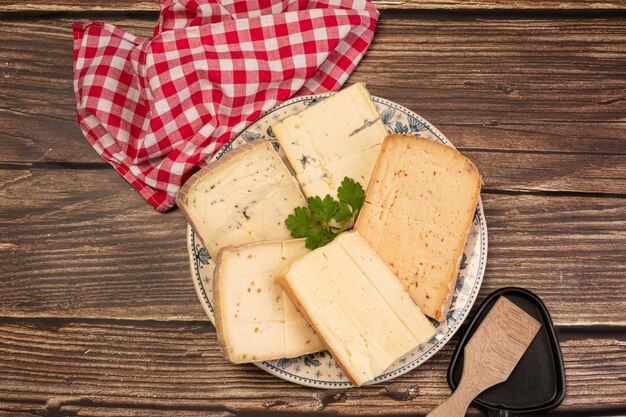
(493, 83)
(71, 364)
(133, 260)
(83, 243)
(147, 5)
(551, 172)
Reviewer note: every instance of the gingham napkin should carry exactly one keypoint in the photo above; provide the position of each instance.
(157, 108)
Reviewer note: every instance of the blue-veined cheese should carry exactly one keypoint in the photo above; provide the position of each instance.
(418, 210)
(243, 197)
(337, 137)
(357, 306)
(254, 318)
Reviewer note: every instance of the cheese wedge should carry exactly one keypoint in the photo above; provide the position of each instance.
(418, 210)
(254, 318)
(357, 306)
(338, 137)
(243, 197)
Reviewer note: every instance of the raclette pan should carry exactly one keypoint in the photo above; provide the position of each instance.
(537, 384)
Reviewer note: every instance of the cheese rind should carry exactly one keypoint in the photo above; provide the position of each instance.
(422, 198)
(357, 306)
(337, 137)
(243, 197)
(254, 318)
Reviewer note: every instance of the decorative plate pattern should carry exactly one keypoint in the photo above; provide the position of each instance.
(320, 369)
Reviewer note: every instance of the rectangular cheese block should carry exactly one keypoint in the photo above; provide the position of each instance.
(254, 318)
(417, 213)
(357, 306)
(243, 197)
(338, 137)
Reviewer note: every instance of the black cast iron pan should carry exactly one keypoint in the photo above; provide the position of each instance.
(537, 384)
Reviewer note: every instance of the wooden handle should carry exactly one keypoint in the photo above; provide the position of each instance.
(457, 404)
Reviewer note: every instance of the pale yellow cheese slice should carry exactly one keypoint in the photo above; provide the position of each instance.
(254, 318)
(357, 306)
(338, 137)
(243, 197)
(418, 211)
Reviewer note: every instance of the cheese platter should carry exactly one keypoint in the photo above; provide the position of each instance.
(306, 361)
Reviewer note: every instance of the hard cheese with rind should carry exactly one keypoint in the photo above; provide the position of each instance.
(254, 318)
(357, 306)
(418, 210)
(243, 197)
(338, 137)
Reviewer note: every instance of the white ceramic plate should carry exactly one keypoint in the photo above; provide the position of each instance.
(320, 369)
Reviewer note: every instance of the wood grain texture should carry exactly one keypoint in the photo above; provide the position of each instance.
(521, 171)
(537, 103)
(70, 364)
(498, 84)
(147, 5)
(118, 237)
(83, 243)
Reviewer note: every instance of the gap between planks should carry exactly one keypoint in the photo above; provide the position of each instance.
(87, 406)
(385, 14)
(89, 166)
(603, 330)
(417, 5)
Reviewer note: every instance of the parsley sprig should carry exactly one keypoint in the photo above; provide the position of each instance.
(326, 218)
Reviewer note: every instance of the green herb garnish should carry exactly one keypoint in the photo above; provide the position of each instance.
(326, 218)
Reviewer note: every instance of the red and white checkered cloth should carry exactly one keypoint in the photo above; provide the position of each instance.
(156, 108)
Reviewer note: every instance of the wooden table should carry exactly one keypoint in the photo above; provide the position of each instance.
(98, 314)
